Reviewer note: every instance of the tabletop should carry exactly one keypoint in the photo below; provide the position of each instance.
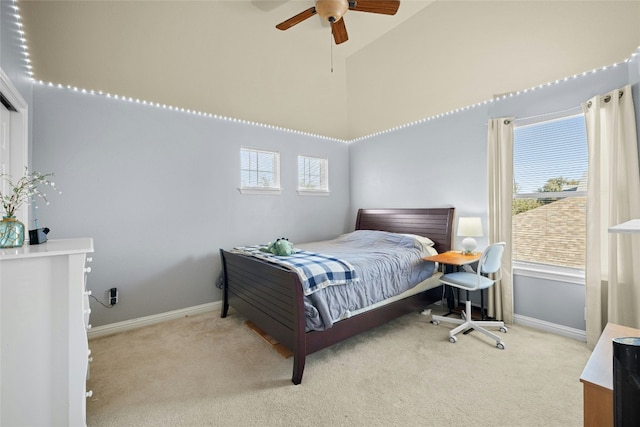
(454, 258)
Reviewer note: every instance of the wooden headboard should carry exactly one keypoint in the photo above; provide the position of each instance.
(436, 224)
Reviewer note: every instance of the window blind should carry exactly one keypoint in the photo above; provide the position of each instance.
(548, 151)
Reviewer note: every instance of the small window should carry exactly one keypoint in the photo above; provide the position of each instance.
(549, 193)
(313, 176)
(259, 170)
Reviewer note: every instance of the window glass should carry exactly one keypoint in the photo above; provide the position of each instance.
(259, 169)
(550, 163)
(312, 174)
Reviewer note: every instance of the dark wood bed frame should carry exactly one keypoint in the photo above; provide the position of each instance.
(271, 297)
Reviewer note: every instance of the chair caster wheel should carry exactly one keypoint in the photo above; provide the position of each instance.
(435, 322)
(500, 345)
(453, 340)
(503, 329)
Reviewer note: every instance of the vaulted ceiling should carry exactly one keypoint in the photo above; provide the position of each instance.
(227, 57)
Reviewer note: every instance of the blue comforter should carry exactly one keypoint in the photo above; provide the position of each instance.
(386, 265)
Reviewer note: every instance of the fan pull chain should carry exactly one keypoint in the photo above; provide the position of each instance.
(331, 47)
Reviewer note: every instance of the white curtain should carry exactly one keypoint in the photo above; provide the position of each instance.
(500, 185)
(613, 196)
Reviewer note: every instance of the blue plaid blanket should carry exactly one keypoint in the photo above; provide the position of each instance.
(316, 271)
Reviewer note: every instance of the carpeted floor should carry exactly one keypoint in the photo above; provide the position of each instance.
(208, 371)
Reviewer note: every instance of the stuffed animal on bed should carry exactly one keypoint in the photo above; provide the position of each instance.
(281, 247)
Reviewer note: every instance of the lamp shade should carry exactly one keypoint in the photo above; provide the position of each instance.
(470, 227)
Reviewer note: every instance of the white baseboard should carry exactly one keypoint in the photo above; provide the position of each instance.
(553, 328)
(114, 328)
(127, 325)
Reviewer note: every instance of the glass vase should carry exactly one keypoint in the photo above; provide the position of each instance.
(11, 232)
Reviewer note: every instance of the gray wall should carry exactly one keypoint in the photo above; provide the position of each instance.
(442, 162)
(157, 190)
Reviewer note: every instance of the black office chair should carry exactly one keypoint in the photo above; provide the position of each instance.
(489, 264)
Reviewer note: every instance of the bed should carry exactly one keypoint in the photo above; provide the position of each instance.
(273, 299)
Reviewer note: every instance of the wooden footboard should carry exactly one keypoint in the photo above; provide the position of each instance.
(270, 297)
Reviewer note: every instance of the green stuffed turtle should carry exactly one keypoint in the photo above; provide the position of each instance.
(281, 247)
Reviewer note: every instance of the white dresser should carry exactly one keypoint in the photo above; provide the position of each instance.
(44, 317)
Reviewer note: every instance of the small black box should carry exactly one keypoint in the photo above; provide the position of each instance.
(38, 236)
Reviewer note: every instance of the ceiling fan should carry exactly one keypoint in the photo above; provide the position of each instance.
(333, 11)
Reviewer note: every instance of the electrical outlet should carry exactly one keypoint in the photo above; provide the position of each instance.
(113, 296)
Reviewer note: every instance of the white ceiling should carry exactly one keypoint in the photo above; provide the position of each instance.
(227, 57)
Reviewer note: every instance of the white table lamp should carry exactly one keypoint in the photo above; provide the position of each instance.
(469, 227)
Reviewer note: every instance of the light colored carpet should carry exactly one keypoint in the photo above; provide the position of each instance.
(208, 371)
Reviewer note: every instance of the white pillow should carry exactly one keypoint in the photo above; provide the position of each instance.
(424, 241)
(431, 251)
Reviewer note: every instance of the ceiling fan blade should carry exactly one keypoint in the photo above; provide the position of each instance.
(296, 19)
(339, 31)
(386, 7)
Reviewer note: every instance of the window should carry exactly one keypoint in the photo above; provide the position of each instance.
(550, 181)
(313, 176)
(259, 170)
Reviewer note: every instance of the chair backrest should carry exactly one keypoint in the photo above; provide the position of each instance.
(491, 259)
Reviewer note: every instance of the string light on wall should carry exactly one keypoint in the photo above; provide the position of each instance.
(27, 61)
(505, 96)
(29, 71)
(22, 39)
(182, 110)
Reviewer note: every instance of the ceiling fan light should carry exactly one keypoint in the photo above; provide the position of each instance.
(332, 10)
